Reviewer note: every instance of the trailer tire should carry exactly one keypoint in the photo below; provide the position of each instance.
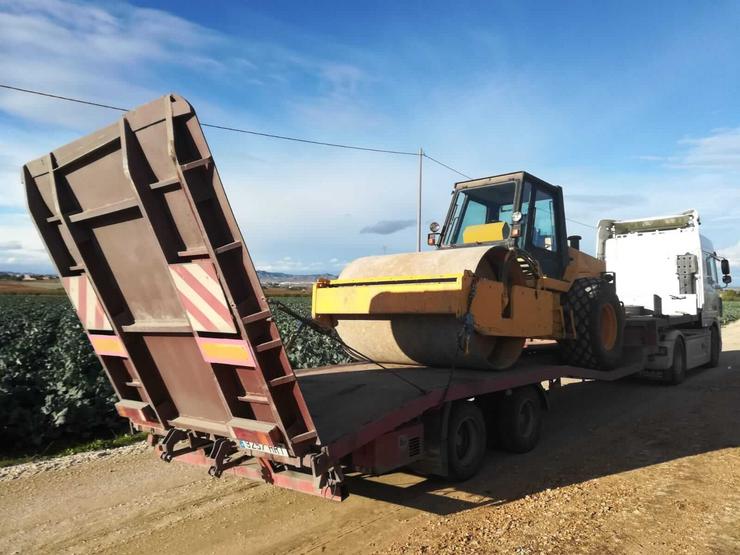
(594, 311)
(716, 347)
(466, 441)
(676, 373)
(519, 420)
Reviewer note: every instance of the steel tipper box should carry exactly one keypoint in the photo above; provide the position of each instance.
(137, 223)
(136, 220)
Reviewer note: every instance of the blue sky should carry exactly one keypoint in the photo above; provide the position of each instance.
(631, 107)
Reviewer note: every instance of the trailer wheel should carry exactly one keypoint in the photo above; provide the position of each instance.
(677, 371)
(593, 308)
(519, 420)
(466, 440)
(716, 346)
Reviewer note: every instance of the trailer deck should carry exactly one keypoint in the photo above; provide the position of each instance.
(355, 403)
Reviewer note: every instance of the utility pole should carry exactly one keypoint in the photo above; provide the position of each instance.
(418, 201)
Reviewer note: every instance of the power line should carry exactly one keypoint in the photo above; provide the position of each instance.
(261, 134)
(222, 127)
(581, 223)
(309, 141)
(67, 98)
(425, 155)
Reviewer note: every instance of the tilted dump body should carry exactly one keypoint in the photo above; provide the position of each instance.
(137, 223)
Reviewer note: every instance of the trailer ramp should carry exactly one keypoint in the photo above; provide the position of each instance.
(137, 223)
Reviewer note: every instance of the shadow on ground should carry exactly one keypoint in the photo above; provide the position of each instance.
(593, 429)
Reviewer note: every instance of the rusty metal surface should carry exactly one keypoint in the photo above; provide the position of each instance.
(353, 404)
(136, 220)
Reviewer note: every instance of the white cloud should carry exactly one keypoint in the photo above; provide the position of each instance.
(718, 151)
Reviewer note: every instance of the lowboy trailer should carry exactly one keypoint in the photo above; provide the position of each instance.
(137, 222)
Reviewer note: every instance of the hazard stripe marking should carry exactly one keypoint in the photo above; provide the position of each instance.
(87, 305)
(109, 345)
(202, 297)
(225, 351)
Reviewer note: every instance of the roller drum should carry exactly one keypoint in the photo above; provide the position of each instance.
(427, 339)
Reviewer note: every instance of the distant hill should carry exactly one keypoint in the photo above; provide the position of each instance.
(265, 277)
(292, 279)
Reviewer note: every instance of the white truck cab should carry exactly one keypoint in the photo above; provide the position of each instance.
(664, 268)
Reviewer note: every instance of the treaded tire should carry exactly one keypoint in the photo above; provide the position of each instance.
(519, 420)
(584, 305)
(676, 374)
(466, 441)
(716, 347)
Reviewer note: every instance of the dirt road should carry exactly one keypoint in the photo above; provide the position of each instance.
(627, 467)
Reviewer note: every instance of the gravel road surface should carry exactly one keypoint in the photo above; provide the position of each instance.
(626, 467)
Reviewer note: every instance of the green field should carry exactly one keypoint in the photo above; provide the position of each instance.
(731, 311)
(52, 388)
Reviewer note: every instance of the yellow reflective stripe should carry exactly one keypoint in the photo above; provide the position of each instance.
(433, 297)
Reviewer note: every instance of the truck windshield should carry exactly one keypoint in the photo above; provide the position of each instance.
(480, 205)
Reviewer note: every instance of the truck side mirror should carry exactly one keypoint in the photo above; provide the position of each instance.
(726, 279)
(725, 265)
(433, 239)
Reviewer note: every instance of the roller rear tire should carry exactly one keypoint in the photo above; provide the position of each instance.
(593, 310)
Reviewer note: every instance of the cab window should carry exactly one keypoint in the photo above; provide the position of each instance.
(544, 234)
(480, 205)
(710, 269)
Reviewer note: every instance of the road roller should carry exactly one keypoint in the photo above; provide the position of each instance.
(502, 270)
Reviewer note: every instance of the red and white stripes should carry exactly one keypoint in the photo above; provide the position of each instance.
(86, 303)
(201, 295)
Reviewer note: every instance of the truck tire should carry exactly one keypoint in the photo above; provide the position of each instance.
(593, 308)
(519, 420)
(676, 373)
(716, 347)
(466, 441)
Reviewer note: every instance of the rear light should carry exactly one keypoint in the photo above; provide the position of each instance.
(138, 412)
(255, 431)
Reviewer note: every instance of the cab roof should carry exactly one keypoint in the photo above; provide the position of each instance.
(497, 179)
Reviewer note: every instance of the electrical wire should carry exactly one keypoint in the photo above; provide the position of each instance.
(261, 134)
(67, 98)
(581, 223)
(425, 155)
(332, 334)
(222, 127)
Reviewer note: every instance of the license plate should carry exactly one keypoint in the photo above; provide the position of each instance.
(261, 447)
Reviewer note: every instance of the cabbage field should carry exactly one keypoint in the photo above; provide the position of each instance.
(52, 388)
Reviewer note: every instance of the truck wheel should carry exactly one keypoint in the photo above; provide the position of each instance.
(466, 441)
(598, 320)
(716, 346)
(677, 372)
(519, 420)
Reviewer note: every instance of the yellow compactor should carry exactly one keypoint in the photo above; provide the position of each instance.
(503, 270)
